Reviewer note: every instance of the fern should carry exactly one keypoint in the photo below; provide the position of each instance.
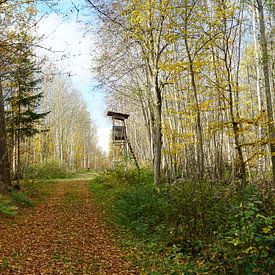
(21, 198)
(6, 208)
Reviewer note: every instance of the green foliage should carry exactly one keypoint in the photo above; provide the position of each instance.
(21, 198)
(31, 193)
(15, 199)
(137, 204)
(197, 209)
(5, 264)
(119, 176)
(186, 227)
(251, 235)
(49, 169)
(12, 201)
(142, 208)
(6, 208)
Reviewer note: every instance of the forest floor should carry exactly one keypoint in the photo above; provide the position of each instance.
(63, 234)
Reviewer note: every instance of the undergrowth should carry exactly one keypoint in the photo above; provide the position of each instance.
(6, 207)
(30, 193)
(10, 203)
(186, 227)
(49, 169)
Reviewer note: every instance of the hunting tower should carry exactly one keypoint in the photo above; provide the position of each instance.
(121, 144)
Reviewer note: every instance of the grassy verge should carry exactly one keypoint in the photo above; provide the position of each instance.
(187, 227)
(53, 169)
(31, 193)
(47, 170)
(108, 191)
(37, 184)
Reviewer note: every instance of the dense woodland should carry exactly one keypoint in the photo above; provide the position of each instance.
(198, 80)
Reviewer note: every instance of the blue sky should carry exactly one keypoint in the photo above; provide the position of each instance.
(69, 29)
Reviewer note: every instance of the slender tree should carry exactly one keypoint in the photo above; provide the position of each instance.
(5, 180)
(267, 86)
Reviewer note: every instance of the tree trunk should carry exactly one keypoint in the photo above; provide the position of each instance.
(258, 83)
(271, 126)
(18, 164)
(5, 180)
(157, 140)
(200, 151)
(235, 125)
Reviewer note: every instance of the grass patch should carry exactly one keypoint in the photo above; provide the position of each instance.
(5, 265)
(21, 198)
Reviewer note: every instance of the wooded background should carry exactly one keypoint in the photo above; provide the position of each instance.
(43, 118)
(198, 80)
(196, 76)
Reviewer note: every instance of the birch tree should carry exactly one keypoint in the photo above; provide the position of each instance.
(267, 84)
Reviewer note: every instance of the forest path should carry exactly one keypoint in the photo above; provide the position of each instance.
(62, 235)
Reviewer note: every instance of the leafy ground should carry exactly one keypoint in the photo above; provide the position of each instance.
(61, 235)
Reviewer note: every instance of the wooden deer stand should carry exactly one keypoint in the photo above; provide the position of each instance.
(121, 143)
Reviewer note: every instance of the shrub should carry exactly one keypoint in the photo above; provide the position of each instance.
(120, 176)
(49, 169)
(136, 203)
(197, 210)
(250, 238)
(142, 208)
(199, 227)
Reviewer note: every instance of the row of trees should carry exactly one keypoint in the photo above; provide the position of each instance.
(201, 73)
(41, 116)
(71, 137)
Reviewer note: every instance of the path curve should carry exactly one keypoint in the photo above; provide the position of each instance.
(63, 235)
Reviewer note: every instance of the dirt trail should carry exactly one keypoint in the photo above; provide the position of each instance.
(64, 235)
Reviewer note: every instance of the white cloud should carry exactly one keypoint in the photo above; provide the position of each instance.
(70, 44)
(72, 47)
(104, 138)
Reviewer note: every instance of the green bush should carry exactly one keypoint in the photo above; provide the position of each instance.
(245, 240)
(197, 210)
(49, 169)
(120, 176)
(250, 238)
(142, 208)
(136, 203)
